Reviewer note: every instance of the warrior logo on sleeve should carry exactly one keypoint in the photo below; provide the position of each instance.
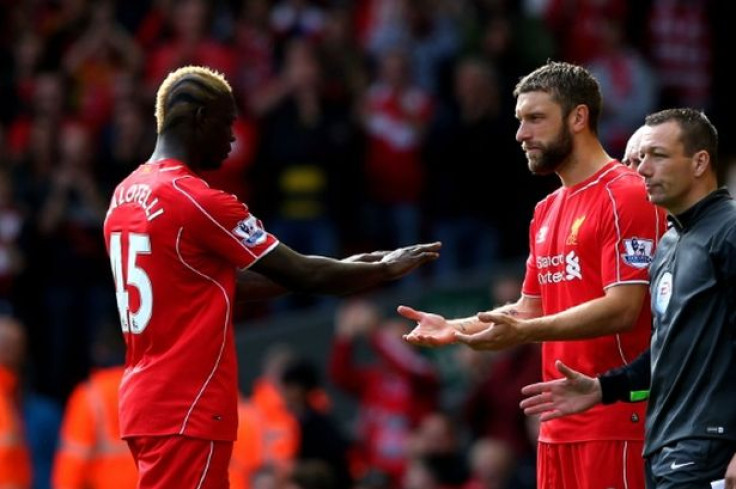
(638, 252)
(250, 231)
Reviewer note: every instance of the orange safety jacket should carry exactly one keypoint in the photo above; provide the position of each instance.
(268, 434)
(15, 462)
(91, 454)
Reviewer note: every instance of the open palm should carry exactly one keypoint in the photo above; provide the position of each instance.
(431, 329)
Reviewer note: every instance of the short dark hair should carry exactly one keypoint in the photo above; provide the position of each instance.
(697, 133)
(184, 89)
(569, 85)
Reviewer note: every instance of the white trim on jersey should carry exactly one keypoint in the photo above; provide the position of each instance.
(224, 332)
(597, 180)
(209, 216)
(625, 465)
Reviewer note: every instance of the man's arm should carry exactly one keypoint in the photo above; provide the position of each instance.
(615, 312)
(253, 286)
(435, 330)
(576, 392)
(323, 275)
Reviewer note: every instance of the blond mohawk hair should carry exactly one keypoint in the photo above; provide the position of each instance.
(208, 78)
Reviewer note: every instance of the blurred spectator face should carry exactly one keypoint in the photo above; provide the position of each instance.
(124, 86)
(419, 476)
(491, 463)
(102, 15)
(302, 67)
(299, 379)
(27, 52)
(189, 20)
(43, 141)
(75, 146)
(395, 327)
(357, 316)
(474, 84)
(130, 130)
(497, 36)
(435, 435)
(265, 478)
(395, 69)
(128, 119)
(311, 474)
(73, 9)
(12, 343)
(256, 12)
(48, 96)
(475, 363)
(276, 358)
(337, 30)
(505, 289)
(612, 35)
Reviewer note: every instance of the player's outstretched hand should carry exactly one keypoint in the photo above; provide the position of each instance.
(431, 329)
(504, 331)
(574, 393)
(404, 260)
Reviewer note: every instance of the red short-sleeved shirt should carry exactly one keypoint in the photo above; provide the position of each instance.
(174, 246)
(583, 240)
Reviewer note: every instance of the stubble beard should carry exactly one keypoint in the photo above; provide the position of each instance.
(552, 156)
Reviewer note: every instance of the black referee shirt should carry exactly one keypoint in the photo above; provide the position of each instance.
(693, 349)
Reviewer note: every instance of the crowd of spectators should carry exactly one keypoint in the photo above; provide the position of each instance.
(362, 124)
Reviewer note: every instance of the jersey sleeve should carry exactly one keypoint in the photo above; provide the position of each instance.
(629, 232)
(224, 225)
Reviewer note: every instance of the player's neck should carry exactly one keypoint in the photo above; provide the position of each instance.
(586, 159)
(169, 147)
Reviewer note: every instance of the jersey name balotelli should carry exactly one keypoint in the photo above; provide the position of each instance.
(174, 246)
(584, 239)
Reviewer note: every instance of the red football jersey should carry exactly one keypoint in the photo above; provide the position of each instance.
(174, 246)
(584, 239)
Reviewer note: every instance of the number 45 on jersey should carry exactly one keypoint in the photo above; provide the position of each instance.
(138, 244)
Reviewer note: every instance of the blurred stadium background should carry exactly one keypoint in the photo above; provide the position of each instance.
(362, 124)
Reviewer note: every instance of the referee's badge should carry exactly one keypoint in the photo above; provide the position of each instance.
(663, 292)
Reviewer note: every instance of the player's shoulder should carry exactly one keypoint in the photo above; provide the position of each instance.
(621, 176)
(204, 197)
(623, 183)
(548, 200)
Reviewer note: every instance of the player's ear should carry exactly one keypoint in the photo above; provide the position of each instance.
(701, 162)
(579, 117)
(199, 116)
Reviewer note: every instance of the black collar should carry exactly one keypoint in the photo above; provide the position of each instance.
(686, 219)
